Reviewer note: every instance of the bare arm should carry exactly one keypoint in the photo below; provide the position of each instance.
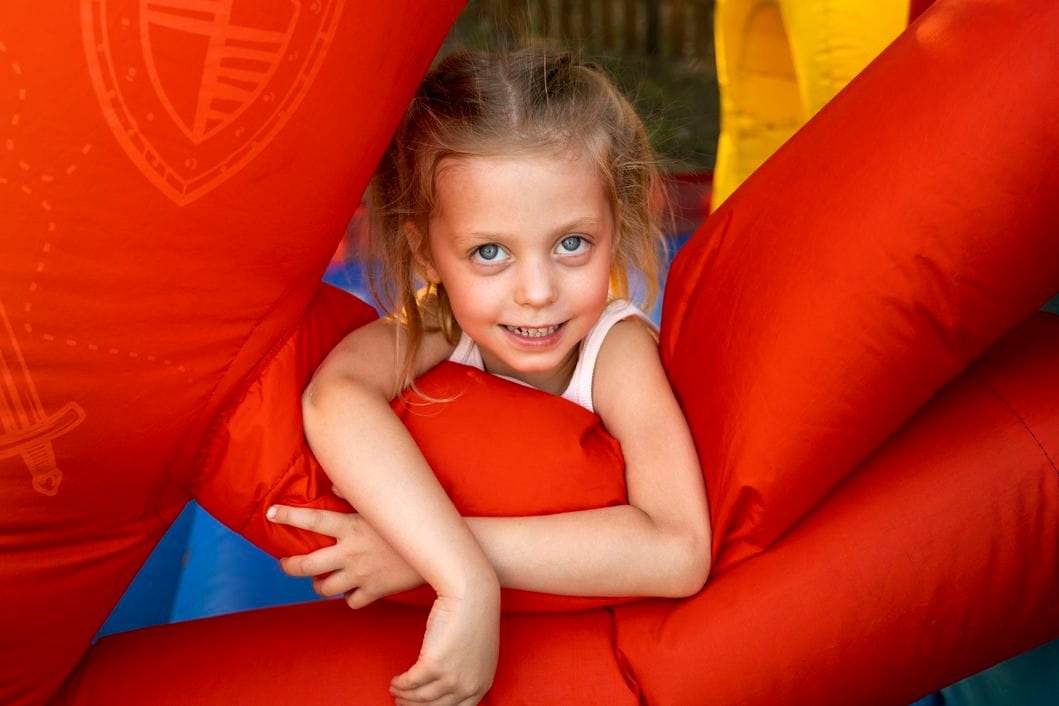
(374, 462)
(370, 457)
(658, 544)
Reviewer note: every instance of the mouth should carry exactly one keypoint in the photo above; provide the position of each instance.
(532, 332)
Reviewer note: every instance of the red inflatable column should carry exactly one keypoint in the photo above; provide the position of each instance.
(899, 233)
(938, 558)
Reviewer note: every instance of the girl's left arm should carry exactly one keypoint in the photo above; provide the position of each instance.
(656, 545)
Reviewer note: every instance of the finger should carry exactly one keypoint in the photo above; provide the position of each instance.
(336, 584)
(328, 588)
(320, 590)
(427, 693)
(333, 524)
(418, 675)
(292, 565)
(314, 563)
(357, 598)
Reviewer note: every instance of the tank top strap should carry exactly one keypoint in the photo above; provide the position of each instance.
(580, 388)
(467, 353)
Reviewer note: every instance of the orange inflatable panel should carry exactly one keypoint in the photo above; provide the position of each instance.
(173, 182)
(165, 234)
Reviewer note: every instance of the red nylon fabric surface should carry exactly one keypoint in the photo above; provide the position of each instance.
(149, 270)
(899, 233)
(937, 558)
(541, 455)
(324, 653)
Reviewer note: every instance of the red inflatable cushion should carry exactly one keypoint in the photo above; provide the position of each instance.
(897, 235)
(937, 558)
(325, 653)
(256, 454)
(868, 600)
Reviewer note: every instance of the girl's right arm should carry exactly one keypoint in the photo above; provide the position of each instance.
(373, 461)
(656, 545)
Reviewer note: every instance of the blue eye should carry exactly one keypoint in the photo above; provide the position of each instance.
(572, 243)
(491, 252)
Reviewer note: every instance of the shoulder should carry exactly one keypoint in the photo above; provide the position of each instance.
(620, 310)
(628, 342)
(621, 324)
(634, 399)
(628, 358)
(373, 355)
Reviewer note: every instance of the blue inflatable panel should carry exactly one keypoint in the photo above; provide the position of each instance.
(201, 568)
(224, 573)
(149, 598)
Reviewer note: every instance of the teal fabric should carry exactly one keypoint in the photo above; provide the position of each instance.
(1053, 305)
(1031, 679)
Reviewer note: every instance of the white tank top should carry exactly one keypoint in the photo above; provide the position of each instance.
(580, 388)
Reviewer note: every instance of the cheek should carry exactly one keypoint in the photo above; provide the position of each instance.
(594, 289)
(472, 301)
(604, 277)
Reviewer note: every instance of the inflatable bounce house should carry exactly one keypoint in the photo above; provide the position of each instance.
(779, 62)
(857, 347)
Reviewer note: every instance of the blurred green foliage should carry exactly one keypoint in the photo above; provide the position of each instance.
(673, 89)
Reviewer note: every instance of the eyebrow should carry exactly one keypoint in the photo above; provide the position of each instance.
(566, 228)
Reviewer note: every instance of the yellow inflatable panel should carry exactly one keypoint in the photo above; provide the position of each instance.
(780, 61)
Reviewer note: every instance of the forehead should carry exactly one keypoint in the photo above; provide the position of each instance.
(493, 191)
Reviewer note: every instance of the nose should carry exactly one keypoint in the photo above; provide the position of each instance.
(537, 284)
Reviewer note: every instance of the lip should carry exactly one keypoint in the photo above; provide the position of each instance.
(535, 342)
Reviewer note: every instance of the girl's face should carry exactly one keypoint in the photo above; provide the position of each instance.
(524, 246)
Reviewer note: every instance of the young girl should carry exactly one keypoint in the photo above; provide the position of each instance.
(519, 190)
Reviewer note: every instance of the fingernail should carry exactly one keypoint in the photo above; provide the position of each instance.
(271, 512)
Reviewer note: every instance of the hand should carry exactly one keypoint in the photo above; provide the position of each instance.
(457, 661)
(360, 564)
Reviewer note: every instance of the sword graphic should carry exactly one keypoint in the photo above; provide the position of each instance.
(25, 429)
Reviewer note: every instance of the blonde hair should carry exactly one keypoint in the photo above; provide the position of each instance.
(478, 104)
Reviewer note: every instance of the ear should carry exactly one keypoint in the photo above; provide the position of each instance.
(420, 246)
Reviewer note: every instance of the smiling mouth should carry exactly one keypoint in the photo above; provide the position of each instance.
(532, 332)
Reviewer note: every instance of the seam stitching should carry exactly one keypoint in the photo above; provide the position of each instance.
(1018, 416)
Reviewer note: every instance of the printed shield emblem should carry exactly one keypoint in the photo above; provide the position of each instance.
(195, 89)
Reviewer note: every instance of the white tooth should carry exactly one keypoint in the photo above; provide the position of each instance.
(533, 332)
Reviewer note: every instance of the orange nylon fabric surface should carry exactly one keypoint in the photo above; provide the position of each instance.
(818, 310)
(168, 205)
(938, 558)
(903, 229)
